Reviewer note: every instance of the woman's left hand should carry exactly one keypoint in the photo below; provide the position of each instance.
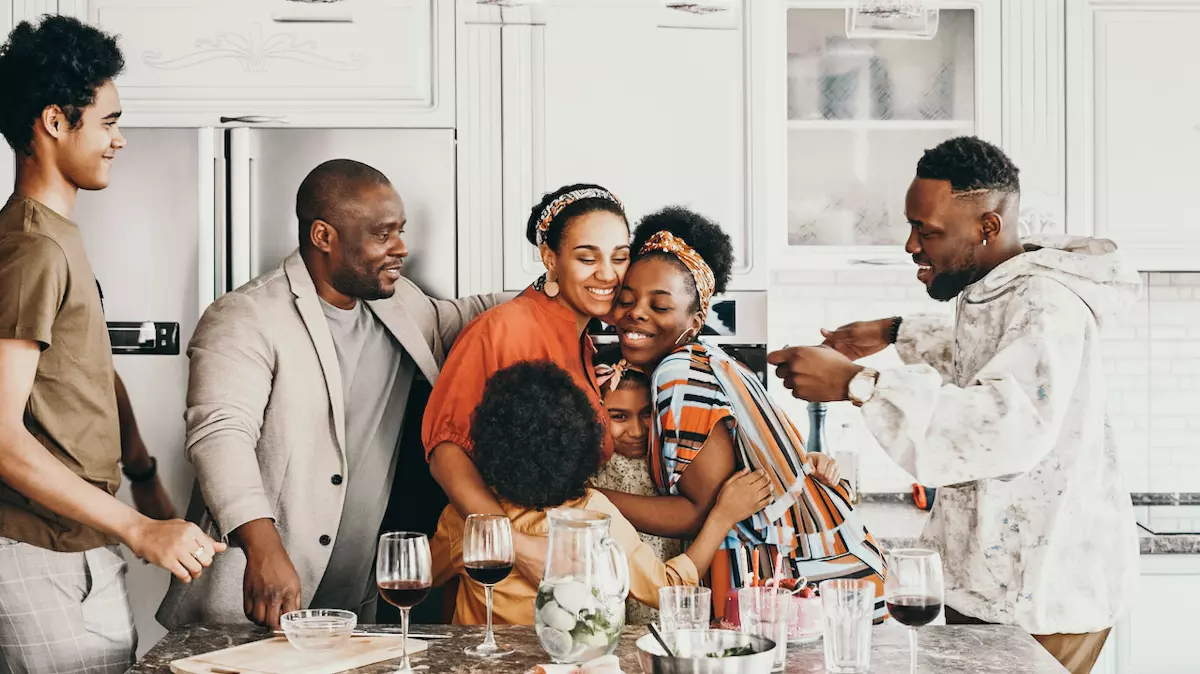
(825, 468)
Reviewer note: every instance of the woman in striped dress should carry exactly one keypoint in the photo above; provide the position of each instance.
(714, 417)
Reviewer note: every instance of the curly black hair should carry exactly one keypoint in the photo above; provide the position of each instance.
(62, 62)
(536, 435)
(558, 225)
(702, 234)
(610, 354)
(970, 164)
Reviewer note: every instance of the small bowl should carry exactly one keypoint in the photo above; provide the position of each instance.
(654, 661)
(318, 629)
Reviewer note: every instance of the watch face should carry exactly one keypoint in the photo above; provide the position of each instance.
(860, 386)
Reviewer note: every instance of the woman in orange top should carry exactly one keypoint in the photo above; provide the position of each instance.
(583, 237)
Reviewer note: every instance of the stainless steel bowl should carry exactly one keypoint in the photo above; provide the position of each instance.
(699, 643)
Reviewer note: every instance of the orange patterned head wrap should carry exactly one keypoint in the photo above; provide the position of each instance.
(706, 283)
(555, 207)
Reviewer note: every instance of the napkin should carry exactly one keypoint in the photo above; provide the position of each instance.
(605, 664)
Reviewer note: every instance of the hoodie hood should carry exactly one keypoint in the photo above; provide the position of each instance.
(1092, 268)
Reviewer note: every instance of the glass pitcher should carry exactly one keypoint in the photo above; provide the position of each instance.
(580, 605)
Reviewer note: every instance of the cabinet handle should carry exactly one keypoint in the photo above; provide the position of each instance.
(254, 119)
(285, 18)
(313, 11)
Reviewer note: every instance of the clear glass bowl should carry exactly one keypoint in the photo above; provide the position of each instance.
(318, 629)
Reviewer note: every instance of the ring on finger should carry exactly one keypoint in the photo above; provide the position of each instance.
(200, 552)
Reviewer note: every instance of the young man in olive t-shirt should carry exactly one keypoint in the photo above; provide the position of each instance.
(63, 600)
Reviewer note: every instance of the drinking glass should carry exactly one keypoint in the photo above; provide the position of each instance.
(684, 608)
(847, 608)
(765, 612)
(914, 591)
(488, 556)
(404, 576)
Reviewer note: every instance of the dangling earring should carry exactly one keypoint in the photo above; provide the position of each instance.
(551, 285)
(985, 242)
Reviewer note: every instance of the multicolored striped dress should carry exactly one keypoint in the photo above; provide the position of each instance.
(699, 386)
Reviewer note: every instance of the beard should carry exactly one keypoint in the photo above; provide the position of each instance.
(949, 284)
(360, 284)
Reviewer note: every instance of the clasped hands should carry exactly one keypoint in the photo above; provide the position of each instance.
(822, 373)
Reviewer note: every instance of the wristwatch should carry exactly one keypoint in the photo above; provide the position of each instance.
(862, 386)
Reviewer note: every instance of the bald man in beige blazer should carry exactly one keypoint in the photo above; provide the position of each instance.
(296, 399)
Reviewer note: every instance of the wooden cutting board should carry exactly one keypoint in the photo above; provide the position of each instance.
(277, 656)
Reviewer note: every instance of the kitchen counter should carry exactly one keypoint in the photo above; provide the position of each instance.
(944, 650)
(896, 524)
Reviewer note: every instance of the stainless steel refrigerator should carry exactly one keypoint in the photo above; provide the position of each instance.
(191, 213)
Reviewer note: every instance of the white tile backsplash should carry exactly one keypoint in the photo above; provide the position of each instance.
(1152, 367)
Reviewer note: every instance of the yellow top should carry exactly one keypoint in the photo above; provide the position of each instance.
(513, 597)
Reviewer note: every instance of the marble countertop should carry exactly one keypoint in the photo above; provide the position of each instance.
(896, 524)
(943, 650)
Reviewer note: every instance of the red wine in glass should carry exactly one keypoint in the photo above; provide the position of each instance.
(914, 589)
(914, 610)
(488, 558)
(404, 593)
(489, 572)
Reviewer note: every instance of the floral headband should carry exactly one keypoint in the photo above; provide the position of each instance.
(611, 374)
(555, 207)
(706, 284)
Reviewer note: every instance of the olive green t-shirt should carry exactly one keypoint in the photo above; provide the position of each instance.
(48, 294)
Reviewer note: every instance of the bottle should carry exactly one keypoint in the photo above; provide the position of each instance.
(847, 458)
(816, 427)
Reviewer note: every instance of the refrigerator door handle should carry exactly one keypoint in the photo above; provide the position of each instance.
(254, 119)
(207, 217)
(241, 212)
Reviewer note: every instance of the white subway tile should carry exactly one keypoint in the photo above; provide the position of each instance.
(794, 277)
(1185, 279)
(1164, 293)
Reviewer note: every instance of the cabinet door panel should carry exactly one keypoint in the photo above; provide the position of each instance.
(613, 94)
(1147, 126)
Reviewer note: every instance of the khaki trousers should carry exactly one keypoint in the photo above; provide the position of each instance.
(1077, 652)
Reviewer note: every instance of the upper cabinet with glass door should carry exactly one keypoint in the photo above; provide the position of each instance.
(861, 107)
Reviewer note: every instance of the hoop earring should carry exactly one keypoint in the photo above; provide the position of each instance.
(551, 285)
(684, 337)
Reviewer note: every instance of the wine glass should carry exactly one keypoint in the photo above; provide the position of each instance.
(402, 571)
(488, 556)
(914, 591)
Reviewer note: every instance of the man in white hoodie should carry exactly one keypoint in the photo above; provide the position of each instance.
(1002, 408)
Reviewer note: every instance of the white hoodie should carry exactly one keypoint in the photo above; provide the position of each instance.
(1004, 411)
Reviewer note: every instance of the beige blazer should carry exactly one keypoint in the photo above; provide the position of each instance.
(266, 422)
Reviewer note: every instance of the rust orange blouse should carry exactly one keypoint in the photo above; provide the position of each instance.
(529, 327)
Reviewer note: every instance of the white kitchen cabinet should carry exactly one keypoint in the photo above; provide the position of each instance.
(30, 10)
(1135, 123)
(848, 118)
(362, 63)
(1156, 635)
(645, 100)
